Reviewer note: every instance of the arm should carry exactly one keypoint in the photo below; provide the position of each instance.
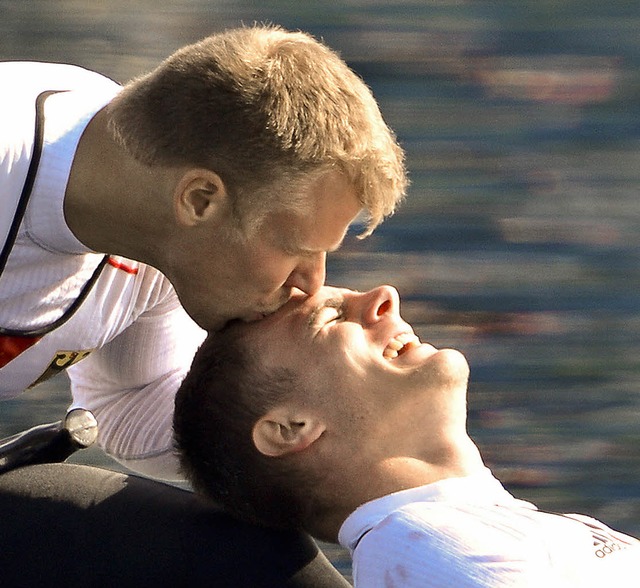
(130, 383)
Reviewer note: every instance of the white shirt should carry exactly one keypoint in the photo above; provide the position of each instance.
(129, 344)
(471, 533)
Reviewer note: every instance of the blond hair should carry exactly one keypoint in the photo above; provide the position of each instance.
(268, 110)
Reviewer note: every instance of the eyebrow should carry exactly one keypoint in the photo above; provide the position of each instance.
(296, 246)
(335, 302)
(310, 251)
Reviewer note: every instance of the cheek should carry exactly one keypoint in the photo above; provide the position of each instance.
(359, 358)
(266, 268)
(278, 265)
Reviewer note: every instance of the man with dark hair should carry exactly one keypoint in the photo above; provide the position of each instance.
(344, 424)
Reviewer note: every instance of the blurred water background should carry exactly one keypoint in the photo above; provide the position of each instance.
(519, 242)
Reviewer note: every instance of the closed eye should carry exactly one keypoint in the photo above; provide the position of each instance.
(329, 311)
(330, 315)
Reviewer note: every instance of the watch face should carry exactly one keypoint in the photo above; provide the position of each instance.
(82, 426)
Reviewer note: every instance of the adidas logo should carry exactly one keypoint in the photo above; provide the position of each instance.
(605, 540)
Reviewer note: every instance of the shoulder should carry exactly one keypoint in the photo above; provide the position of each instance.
(467, 545)
(441, 544)
(148, 286)
(38, 76)
(21, 82)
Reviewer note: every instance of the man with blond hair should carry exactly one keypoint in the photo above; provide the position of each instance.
(137, 217)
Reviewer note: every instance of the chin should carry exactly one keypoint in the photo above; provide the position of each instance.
(447, 367)
(455, 358)
(210, 323)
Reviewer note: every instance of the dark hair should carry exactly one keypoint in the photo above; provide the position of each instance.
(222, 397)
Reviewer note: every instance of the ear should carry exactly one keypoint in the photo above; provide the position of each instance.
(283, 431)
(198, 196)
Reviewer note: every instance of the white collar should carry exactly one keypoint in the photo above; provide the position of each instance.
(478, 488)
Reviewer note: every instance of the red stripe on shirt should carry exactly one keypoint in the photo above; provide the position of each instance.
(122, 266)
(11, 347)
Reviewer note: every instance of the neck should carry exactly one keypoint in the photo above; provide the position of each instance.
(113, 204)
(394, 475)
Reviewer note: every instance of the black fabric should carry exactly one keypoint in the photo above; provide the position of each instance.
(72, 525)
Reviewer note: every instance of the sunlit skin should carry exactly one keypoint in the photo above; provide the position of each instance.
(250, 278)
(355, 332)
(373, 398)
(182, 221)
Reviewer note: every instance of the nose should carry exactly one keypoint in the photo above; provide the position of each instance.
(309, 274)
(379, 302)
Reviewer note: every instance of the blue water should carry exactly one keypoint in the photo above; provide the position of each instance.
(519, 241)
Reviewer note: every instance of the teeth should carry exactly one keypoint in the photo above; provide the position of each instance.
(390, 353)
(395, 346)
(407, 338)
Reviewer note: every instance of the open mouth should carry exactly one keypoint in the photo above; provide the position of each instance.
(399, 345)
